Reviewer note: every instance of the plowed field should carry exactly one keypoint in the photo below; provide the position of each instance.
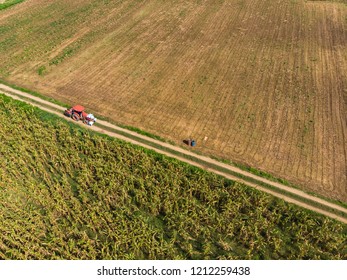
(259, 82)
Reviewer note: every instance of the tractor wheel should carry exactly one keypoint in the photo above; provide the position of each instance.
(75, 117)
(85, 121)
(67, 113)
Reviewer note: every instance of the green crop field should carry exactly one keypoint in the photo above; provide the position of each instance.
(69, 193)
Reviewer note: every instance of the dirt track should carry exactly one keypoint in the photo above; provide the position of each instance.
(16, 94)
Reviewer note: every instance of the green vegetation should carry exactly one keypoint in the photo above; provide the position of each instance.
(69, 193)
(34, 93)
(67, 52)
(41, 70)
(9, 3)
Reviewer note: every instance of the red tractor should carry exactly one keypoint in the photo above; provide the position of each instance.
(77, 113)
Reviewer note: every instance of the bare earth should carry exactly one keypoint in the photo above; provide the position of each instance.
(258, 82)
(42, 104)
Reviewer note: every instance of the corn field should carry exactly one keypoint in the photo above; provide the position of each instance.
(69, 193)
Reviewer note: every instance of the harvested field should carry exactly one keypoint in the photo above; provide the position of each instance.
(265, 81)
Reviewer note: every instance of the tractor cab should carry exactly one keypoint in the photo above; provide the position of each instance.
(77, 113)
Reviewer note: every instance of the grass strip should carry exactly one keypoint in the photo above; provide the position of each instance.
(9, 3)
(34, 93)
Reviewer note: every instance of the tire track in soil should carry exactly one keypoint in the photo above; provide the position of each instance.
(263, 86)
(328, 109)
(340, 41)
(266, 103)
(207, 20)
(216, 21)
(297, 111)
(310, 48)
(214, 133)
(289, 139)
(176, 125)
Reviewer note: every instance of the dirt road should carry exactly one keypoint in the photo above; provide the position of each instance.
(279, 190)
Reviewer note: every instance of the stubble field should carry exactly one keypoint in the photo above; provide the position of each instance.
(262, 81)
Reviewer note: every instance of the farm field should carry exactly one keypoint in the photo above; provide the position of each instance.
(69, 193)
(263, 81)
